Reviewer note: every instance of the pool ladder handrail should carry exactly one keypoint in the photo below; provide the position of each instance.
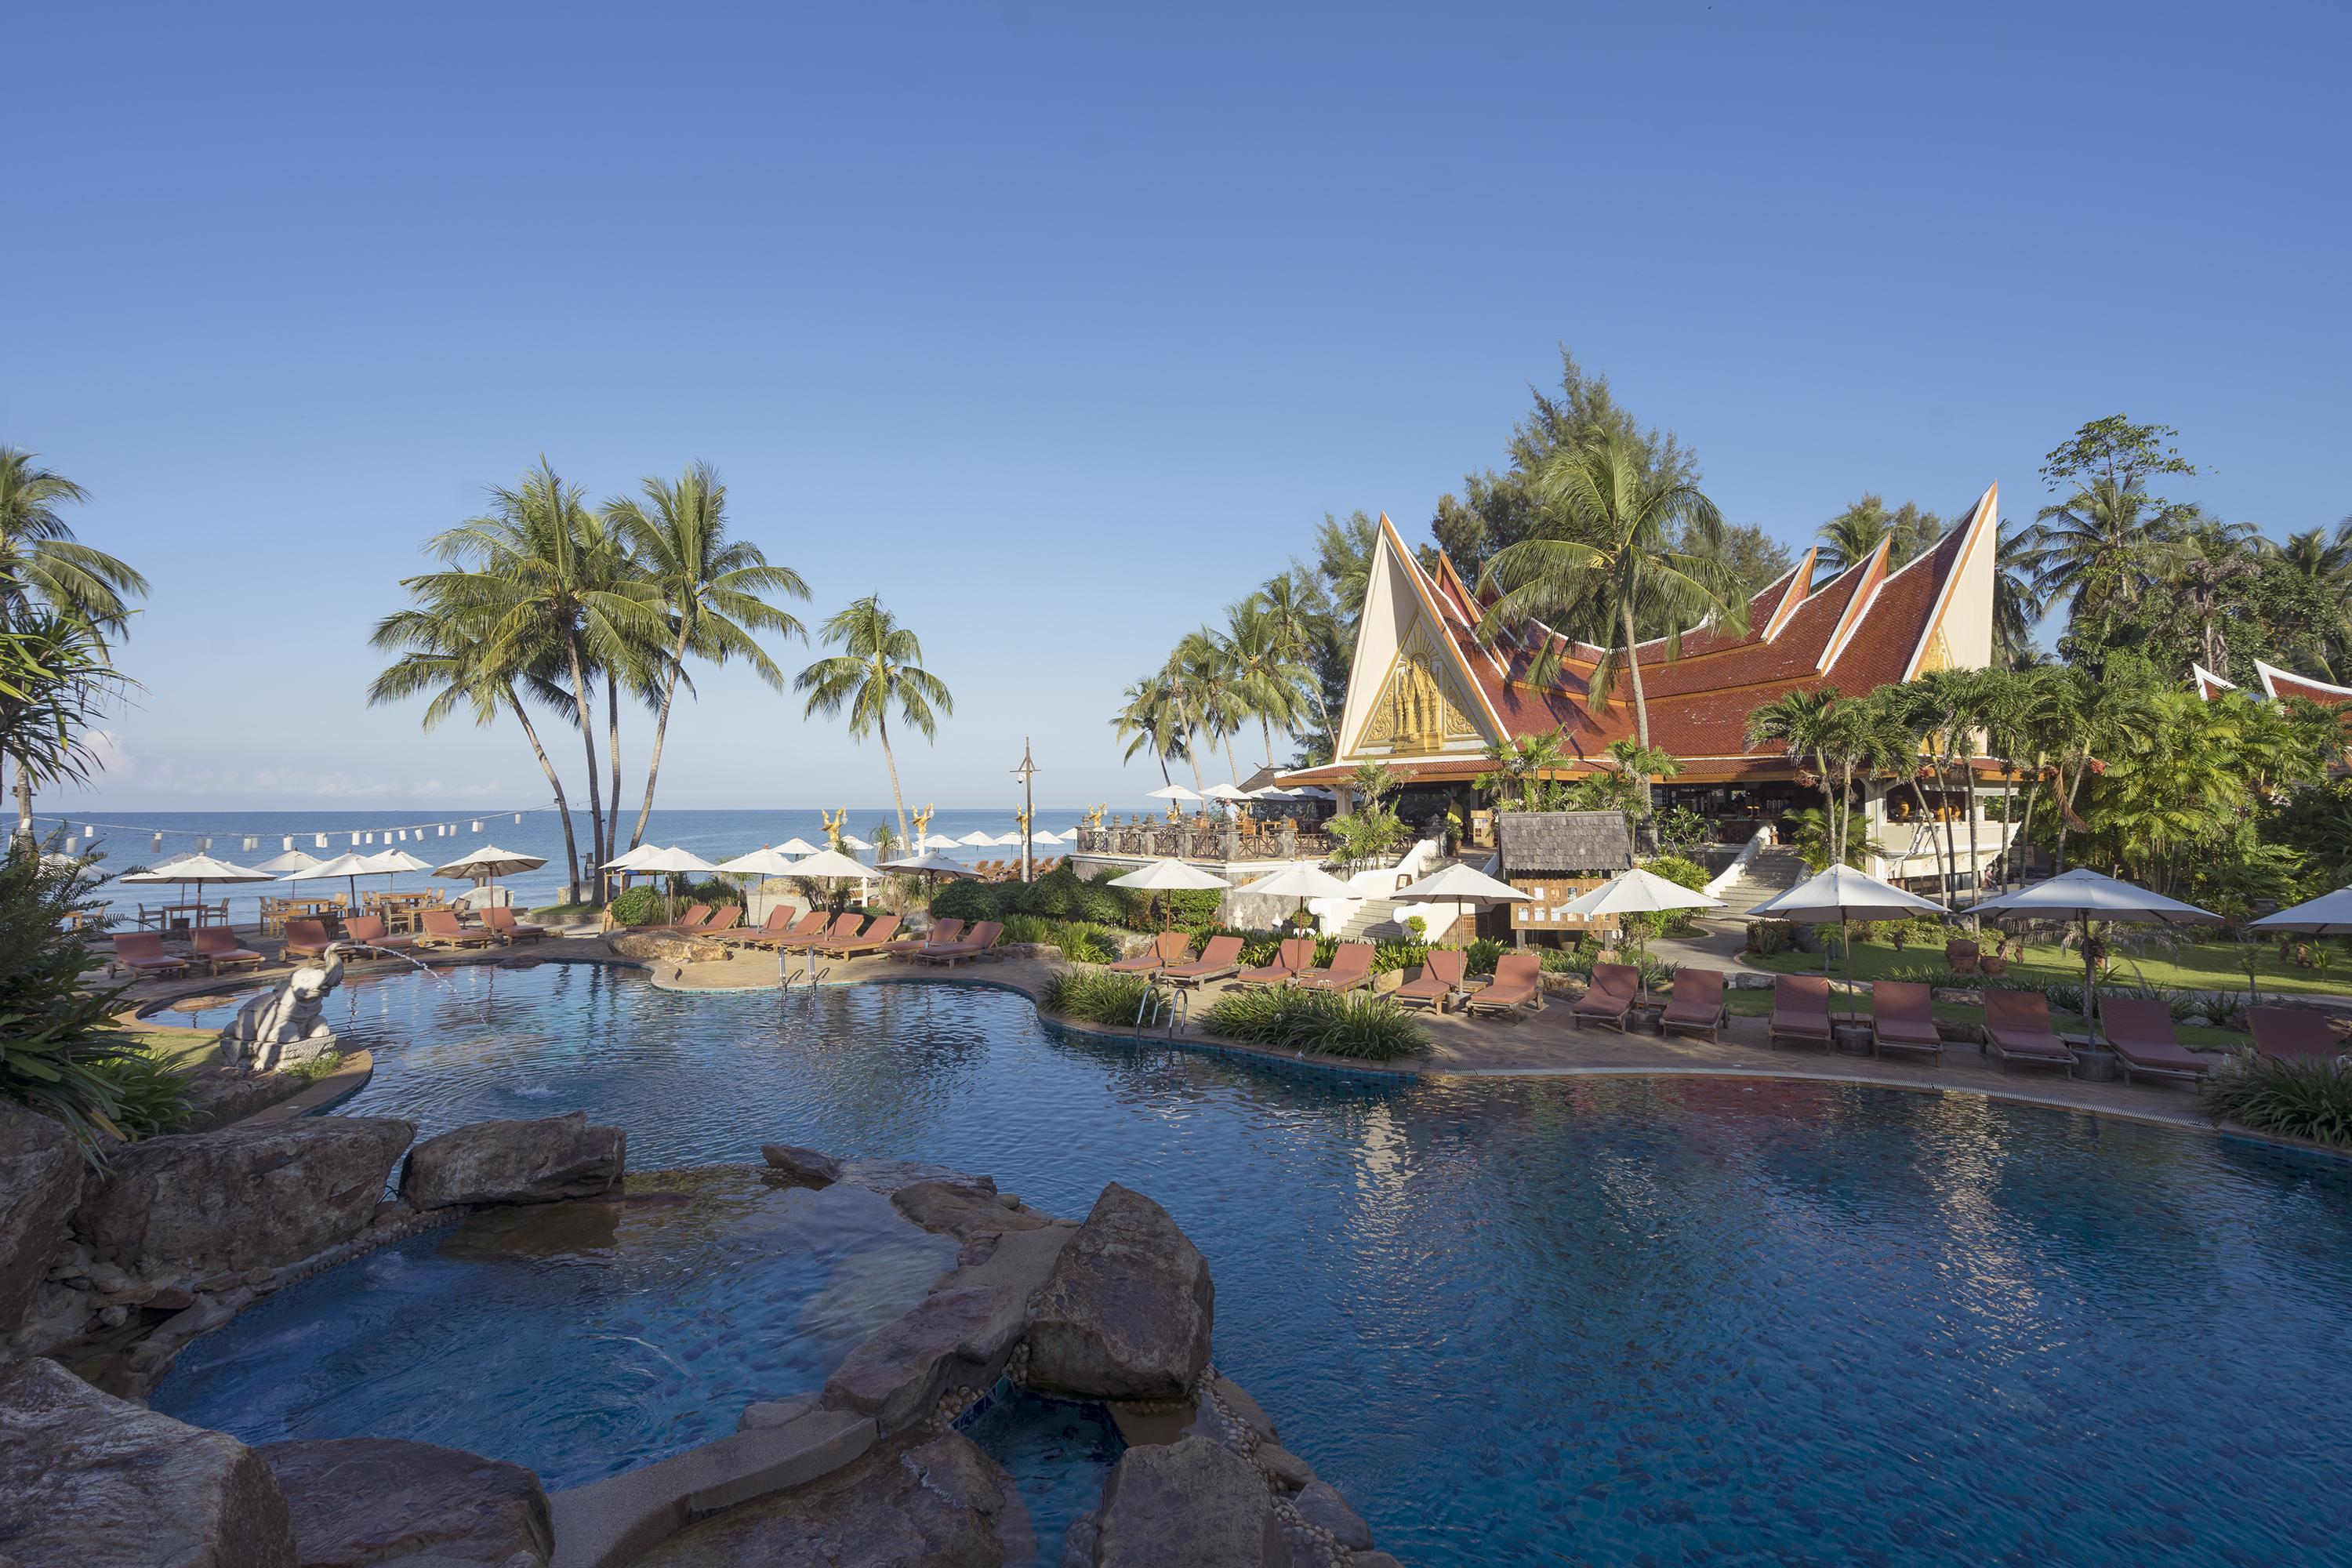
(1174, 1002)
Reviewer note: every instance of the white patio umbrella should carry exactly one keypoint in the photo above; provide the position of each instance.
(803, 847)
(1274, 792)
(976, 839)
(831, 864)
(931, 863)
(848, 841)
(1168, 875)
(290, 860)
(673, 861)
(349, 867)
(1045, 839)
(1007, 841)
(936, 841)
(1300, 882)
(489, 863)
(1638, 892)
(2086, 896)
(198, 870)
(1460, 884)
(1174, 792)
(1843, 894)
(629, 862)
(2330, 914)
(1226, 792)
(762, 862)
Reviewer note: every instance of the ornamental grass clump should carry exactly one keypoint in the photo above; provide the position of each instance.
(1321, 1022)
(2297, 1098)
(1095, 995)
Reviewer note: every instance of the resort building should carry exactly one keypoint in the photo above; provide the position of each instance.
(1426, 697)
(2277, 684)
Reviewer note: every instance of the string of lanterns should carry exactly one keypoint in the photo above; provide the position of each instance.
(319, 840)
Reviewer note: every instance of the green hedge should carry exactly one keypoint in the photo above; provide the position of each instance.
(1364, 1028)
(2298, 1098)
(636, 907)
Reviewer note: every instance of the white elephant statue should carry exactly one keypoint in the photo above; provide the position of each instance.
(281, 1027)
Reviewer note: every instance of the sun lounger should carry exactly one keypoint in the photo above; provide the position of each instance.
(1351, 968)
(1903, 1018)
(306, 939)
(695, 917)
(944, 932)
(1219, 958)
(1697, 1006)
(781, 925)
(1800, 1010)
(2139, 1030)
(1439, 981)
(1295, 954)
(1609, 999)
(1517, 985)
(500, 920)
(873, 939)
(368, 931)
(1169, 947)
(439, 928)
(975, 944)
(217, 947)
(2016, 1028)
(2287, 1034)
(849, 923)
(143, 950)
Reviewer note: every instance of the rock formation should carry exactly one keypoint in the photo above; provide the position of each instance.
(40, 1179)
(362, 1500)
(1128, 1310)
(515, 1162)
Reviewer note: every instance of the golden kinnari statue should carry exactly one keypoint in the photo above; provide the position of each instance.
(922, 829)
(1021, 821)
(1094, 818)
(836, 823)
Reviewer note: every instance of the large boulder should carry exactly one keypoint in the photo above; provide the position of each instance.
(965, 1209)
(515, 1162)
(361, 1500)
(87, 1481)
(41, 1178)
(809, 1167)
(897, 1372)
(1127, 1311)
(239, 1199)
(1190, 1504)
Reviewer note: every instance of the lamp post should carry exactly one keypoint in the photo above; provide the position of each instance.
(1027, 771)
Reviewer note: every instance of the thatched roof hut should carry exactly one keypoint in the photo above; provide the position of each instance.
(1563, 843)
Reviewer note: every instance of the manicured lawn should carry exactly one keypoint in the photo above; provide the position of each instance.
(2136, 960)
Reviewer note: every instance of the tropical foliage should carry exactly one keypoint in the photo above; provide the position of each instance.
(1319, 1022)
(877, 674)
(1095, 995)
(2297, 1098)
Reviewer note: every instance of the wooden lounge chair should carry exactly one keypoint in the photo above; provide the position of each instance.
(723, 919)
(781, 926)
(439, 928)
(1800, 1010)
(692, 921)
(975, 943)
(306, 939)
(1903, 1018)
(143, 951)
(1517, 985)
(944, 932)
(1350, 969)
(2016, 1028)
(1609, 999)
(2285, 1034)
(1222, 956)
(500, 920)
(873, 939)
(368, 931)
(216, 947)
(1961, 955)
(1696, 1007)
(2139, 1030)
(1439, 981)
(844, 926)
(1169, 947)
(1296, 953)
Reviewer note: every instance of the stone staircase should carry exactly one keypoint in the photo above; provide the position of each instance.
(1377, 922)
(1772, 872)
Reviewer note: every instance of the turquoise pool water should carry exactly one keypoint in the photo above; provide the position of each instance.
(1616, 1320)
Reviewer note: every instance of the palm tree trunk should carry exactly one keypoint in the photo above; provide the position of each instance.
(1266, 728)
(1976, 865)
(1951, 844)
(563, 806)
(612, 755)
(661, 731)
(588, 741)
(1640, 698)
(1928, 818)
(1234, 766)
(24, 801)
(882, 728)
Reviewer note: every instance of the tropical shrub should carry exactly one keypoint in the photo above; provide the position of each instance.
(1683, 832)
(1566, 960)
(1766, 938)
(1682, 873)
(1481, 957)
(970, 902)
(149, 1095)
(2297, 1098)
(709, 890)
(1095, 995)
(636, 906)
(1320, 1023)
(1080, 943)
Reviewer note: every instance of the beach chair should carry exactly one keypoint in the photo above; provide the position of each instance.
(1517, 986)
(844, 926)
(1350, 969)
(873, 939)
(217, 949)
(2139, 1030)
(306, 939)
(142, 952)
(1960, 956)
(1903, 1018)
(1439, 983)
(1169, 947)
(692, 920)
(944, 932)
(1219, 957)
(439, 928)
(500, 921)
(368, 931)
(1296, 953)
(2285, 1034)
(1800, 1010)
(2016, 1028)
(1697, 1006)
(781, 926)
(975, 943)
(1609, 999)
(725, 918)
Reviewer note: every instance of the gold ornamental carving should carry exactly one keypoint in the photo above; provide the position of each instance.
(1416, 712)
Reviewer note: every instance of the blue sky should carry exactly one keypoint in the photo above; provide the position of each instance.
(1061, 327)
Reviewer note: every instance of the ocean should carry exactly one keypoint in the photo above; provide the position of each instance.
(129, 840)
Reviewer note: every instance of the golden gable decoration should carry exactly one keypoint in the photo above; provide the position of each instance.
(1420, 706)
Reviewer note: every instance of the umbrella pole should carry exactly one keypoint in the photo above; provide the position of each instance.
(2090, 987)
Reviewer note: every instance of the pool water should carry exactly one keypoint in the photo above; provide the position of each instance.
(1606, 1320)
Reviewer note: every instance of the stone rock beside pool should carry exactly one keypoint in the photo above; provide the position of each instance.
(40, 1181)
(1321, 1505)
(964, 1209)
(1190, 1504)
(897, 1372)
(806, 1166)
(361, 1500)
(196, 1203)
(1128, 1309)
(87, 1481)
(515, 1162)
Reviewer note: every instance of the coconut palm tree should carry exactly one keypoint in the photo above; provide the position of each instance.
(1626, 556)
(1803, 724)
(1520, 765)
(1152, 717)
(715, 590)
(2017, 606)
(1210, 693)
(1271, 686)
(42, 562)
(880, 669)
(2097, 547)
(1301, 626)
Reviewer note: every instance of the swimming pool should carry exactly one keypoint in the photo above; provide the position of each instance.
(1610, 1320)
